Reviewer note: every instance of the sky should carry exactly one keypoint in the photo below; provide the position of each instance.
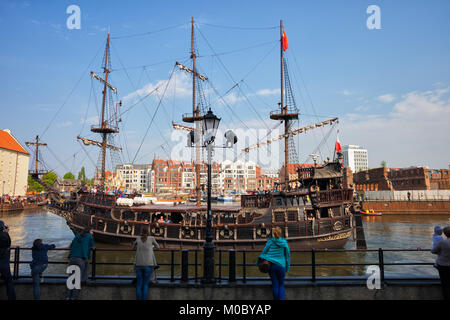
(388, 86)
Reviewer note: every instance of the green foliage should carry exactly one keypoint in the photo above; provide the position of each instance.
(82, 175)
(33, 185)
(69, 175)
(50, 178)
(383, 164)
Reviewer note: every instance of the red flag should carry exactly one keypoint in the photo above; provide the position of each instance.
(284, 41)
(337, 146)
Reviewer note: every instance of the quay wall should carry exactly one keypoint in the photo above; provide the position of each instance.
(260, 290)
(414, 195)
(408, 207)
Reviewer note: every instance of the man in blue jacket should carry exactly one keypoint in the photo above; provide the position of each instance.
(5, 271)
(80, 253)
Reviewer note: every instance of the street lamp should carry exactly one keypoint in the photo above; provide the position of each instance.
(210, 126)
(314, 157)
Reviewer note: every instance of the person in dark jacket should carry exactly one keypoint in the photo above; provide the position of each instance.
(39, 264)
(80, 253)
(5, 271)
(277, 253)
(442, 249)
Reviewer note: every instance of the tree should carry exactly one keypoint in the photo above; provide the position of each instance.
(82, 175)
(33, 185)
(50, 178)
(383, 164)
(69, 175)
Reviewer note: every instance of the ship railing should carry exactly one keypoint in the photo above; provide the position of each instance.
(305, 173)
(256, 201)
(185, 265)
(335, 196)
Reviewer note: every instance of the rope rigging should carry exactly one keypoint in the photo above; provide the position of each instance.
(154, 114)
(71, 92)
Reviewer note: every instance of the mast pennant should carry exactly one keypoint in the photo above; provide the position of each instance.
(284, 41)
(337, 146)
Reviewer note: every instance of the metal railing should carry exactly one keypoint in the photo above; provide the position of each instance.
(240, 264)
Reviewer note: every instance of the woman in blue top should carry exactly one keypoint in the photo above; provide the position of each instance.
(39, 264)
(277, 252)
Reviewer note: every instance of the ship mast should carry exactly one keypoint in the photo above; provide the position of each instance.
(106, 126)
(283, 113)
(36, 144)
(195, 117)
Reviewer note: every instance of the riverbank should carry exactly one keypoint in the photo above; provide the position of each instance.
(413, 207)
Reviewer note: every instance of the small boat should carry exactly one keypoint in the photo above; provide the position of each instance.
(370, 212)
(225, 198)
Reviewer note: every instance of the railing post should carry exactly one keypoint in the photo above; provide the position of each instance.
(313, 265)
(172, 266)
(184, 265)
(381, 264)
(16, 263)
(232, 266)
(220, 266)
(244, 269)
(94, 263)
(196, 265)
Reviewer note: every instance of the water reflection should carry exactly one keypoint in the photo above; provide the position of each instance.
(387, 232)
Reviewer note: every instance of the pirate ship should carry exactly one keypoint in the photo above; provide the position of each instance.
(313, 209)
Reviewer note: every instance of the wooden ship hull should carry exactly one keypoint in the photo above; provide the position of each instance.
(235, 227)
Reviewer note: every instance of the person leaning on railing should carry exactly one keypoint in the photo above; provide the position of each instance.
(80, 253)
(442, 249)
(5, 271)
(145, 262)
(277, 253)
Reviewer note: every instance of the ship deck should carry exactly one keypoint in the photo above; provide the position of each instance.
(182, 208)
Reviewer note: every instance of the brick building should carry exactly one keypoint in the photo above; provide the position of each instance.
(170, 176)
(412, 178)
(439, 179)
(372, 180)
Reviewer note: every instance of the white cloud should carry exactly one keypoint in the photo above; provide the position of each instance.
(91, 120)
(182, 88)
(266, 92)
(386, 98)
(64, 124)
(415, 132)
(345, 92)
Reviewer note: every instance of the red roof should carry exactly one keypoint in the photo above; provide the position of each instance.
(8, 142)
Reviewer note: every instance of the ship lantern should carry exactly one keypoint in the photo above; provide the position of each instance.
(210, 126)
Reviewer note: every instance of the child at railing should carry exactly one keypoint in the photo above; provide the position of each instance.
(39, 264)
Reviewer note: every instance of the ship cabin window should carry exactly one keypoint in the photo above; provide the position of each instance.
(128, 215)
(279, 216)
(143, 216)
(160, 218)
(324, 213)
(292, 215)
(227, 218)
(176, 217)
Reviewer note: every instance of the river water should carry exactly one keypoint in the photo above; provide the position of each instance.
(387, 232)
